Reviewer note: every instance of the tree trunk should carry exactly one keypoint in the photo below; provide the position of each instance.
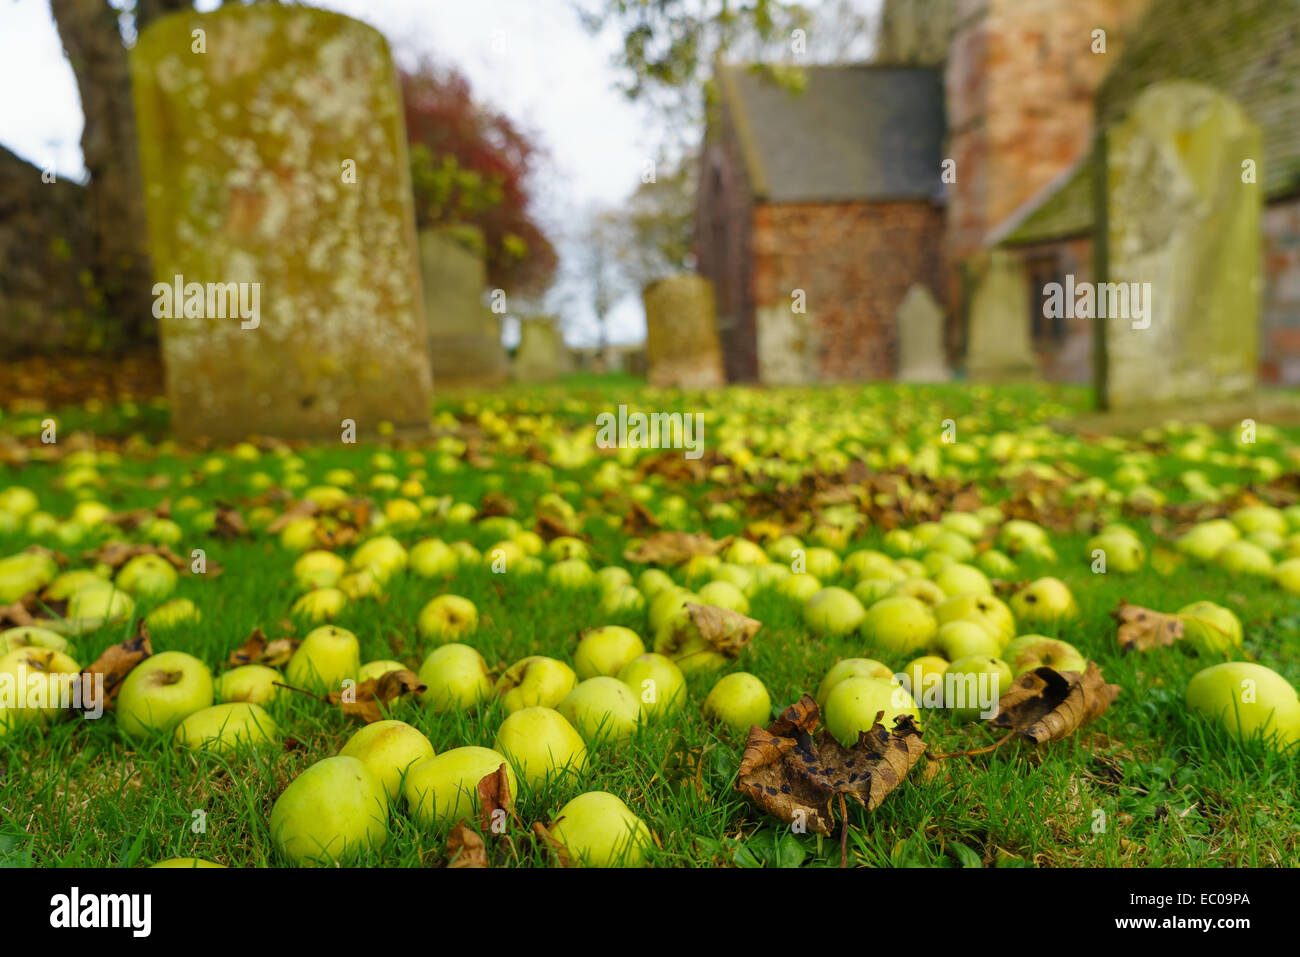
(120, 262)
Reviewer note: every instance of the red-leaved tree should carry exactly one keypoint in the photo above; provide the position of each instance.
(470, 166)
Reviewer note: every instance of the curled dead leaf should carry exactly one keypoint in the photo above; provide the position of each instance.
(1141, 629)
(257, 650)
(367, 699)
(117, 660)
(1046, 705)
(494, 798)
(673, 548)
(465, 848)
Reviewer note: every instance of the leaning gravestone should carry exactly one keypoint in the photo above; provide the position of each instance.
(998, 347)
(465, 348)
(541, 355)
(920, 338)
(682, 333)
(1183, 252)
(278, 196)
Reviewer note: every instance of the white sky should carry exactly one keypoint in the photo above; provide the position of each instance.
(531, 59)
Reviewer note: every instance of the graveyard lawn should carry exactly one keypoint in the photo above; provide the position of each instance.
(1145, 784)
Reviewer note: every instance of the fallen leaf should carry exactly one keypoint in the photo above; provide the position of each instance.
(257, 650)
(794, 771)
(1046, 705)
(366, 700)
(229, 523)
(1141, 629)
(465, 848)
(561, 852)
(673, 548)
(117, 554)
(638, 520)
(726, 630)
(550, 528)
(117, 660)
(494, 796)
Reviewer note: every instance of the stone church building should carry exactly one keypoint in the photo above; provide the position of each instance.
(818, 208)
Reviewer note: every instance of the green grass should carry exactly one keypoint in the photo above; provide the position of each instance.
(1174, 790)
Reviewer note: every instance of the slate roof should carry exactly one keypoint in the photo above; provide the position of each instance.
(860, 132)
(1249, 49)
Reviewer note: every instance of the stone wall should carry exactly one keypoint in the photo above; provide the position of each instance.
(47, 298)
(854, 262)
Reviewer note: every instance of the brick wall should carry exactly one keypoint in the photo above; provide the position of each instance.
(1280, 318)
(854, 261)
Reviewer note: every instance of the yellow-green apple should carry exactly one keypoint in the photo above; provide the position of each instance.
(320, 604)
(1249, 701)
(967, 524)
(899, 541)
(963, 637)
(743, 577)
(921, 589)
(223, 728)
(1244, 558)
(444, 789)
(867, 563)
(570, 573)
(996, 563)
(668, 603)
(724, 595)
(1257, 518)
(923, 678)
(447, 618)
(744, 552)
(378, 668)
(23, 573)
(935, 562)
(700, 567)
(962, 579)
(255, 684)
(455, 677)
(852, 706)
(986, 610)
(1045, 601)
(318, 569)
(432, 558)
(69, 583)
(597, 829)
(953, 544)
(657, 682)
(188, 863)
(782, 549)
(974, 685)
(1019, 534)
(31, 636)
(800, 587)
(299, 534)
(96, 605)
(1210, 629)
(162, 691)
(899, 626)
(383, 557)
(565, 547)
(1287, 575)
(327, 657)
(822, 563)
(43, 681)
(773, 575)
(1204, 540)
(621, 599)
(170, 614)
(740, 701)
(333, 810)
(850, 668)
(389, 749)
(535, 681)
(540, 743)
(606, 650)
(652, 581)
(833, 611)
(1123, 553)
(680, 639)
(150, 577)
(612, 576)
(1028, 652)
(602, 707)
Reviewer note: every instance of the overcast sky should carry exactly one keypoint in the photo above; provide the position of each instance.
(531, 59)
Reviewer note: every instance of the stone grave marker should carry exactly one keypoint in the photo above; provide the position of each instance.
(921, 356)
(465, 349)
(682, 345)
(998, 347)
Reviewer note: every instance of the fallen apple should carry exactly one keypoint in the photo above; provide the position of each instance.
(1210, 629)
(1249, 701)
(319, 569)
(321, 604)
(852, 706)
(535, 681)
(850, 668)
(389, 749)
(334, 810)
(42, 682)
(172, 614)
(1028, 652)
(657, 682)
(923, 679)
(161, 692)
(606, 650)
(602, 708)
(962, 638)
(455, 677)
(1046, 601)
(31, 636)
(959, 578)
(899, 626)
(432, 558)
(223, 728)
(740, 701)
(447, 618)
(973, 686)
(148, 577)
(256, 684)
(599, 830)
(327, 657)
(541, 744)
(444, 789)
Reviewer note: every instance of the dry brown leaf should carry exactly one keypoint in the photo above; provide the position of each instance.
(550, 528)
(367, 699)
(17, 614)
(673, 548)
(303, 509)
(257, 650)
(726, 630)
(229, 523)
(493, 796)
(493, 504)
(638, 520)
(117, 660)
(794, 771)
(561, 852)
(1046, 705)
(465, 848)
(1141, 629)
(117, 554)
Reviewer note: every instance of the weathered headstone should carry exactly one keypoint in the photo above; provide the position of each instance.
(465, 347)
(277, 191)
(920, 338)
(542, 355)
(1182, 251)
(787, 350)
(682, 333)
(998, 347)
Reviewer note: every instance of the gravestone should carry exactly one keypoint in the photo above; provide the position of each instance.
(682, 345)
(787, 350)
(998, 347)
(465, 348)
(273, 155)
(1178, 216)
(920, 338)
(541, 355)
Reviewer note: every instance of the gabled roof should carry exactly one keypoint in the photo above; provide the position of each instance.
(852, 133)
(1248, 49)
